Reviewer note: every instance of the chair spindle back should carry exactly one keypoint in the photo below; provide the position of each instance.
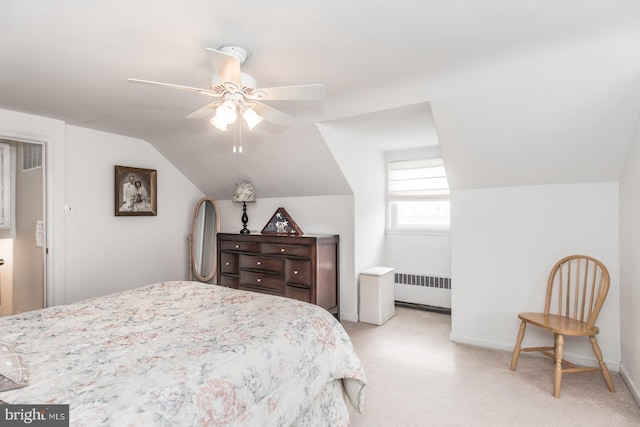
(577, 288)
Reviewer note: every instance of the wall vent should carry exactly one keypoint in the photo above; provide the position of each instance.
(423, 280)
(31, 156)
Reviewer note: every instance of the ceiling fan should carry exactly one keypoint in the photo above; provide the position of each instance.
(236, 92)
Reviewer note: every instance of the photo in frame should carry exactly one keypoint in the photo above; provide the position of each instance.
(135, 191)
(282, 223)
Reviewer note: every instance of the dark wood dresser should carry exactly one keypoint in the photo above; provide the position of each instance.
(302, 267)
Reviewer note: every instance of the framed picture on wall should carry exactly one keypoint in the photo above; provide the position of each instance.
(135, 191)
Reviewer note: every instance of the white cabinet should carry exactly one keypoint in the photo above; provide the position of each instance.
(377, 303)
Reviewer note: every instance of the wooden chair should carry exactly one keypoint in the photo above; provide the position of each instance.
(576, 289)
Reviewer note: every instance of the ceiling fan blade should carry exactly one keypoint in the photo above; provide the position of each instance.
(270, 114)
(227, 66)
(172, 86)
(300, 92)
(205, 111)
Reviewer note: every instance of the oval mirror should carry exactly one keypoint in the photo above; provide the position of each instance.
(206, 223)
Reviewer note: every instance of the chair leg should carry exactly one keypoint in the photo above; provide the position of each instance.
(516, 350)
(603, 366)
(557, 376)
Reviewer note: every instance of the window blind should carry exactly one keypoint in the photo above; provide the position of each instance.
(418, 179)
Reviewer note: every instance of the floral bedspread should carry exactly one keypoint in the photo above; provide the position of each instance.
(187, 353)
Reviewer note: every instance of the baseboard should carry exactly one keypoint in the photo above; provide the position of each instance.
(349, 317)
(635, 392)
(480, 343)
(424, 307)
(575, 358)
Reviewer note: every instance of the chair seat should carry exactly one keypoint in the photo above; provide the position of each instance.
(559, 324)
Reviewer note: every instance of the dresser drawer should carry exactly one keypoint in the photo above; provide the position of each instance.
(229, 263)
(261, 280)
(253, 262)
(290, 250)
(229, 281)
(227, 245)
(261, 290)
(301, 294)
(298, 272)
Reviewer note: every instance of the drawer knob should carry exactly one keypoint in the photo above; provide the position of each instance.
(259, 263)
(259, 280)
(281, 249)
(226, 263)
(237, 246)
(295, 271)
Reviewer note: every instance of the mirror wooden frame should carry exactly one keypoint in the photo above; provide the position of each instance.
(193, 270)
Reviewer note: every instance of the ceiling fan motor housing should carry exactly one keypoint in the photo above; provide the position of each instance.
(242, 53)
(246, 80)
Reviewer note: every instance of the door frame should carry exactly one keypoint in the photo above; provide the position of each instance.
(45, 204)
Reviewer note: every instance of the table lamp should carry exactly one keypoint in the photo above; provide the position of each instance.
(244, 193)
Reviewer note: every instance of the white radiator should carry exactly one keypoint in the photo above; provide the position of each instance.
(423, 289)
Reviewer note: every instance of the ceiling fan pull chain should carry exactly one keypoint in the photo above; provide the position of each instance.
(240, 135)
(234, 140)
(237, 148)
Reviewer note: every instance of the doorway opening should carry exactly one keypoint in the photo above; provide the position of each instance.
(22, 226)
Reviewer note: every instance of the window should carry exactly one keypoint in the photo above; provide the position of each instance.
(418, 195)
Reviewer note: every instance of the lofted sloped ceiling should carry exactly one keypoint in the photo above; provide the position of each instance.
(521, 92)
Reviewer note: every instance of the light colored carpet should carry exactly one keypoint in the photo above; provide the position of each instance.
(417, 377)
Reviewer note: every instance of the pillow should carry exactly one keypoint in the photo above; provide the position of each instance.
(13, 371)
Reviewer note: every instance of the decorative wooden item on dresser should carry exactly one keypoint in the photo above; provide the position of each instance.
(305, 268)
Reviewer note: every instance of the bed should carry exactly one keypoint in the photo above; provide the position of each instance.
(187, 353)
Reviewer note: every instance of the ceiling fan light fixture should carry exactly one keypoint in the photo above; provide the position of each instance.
(226, 112)
(251, 118)
(218, 124)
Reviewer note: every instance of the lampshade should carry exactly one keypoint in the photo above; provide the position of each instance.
(251, 118)
(226, 112)
(244, 192)
(218, 124)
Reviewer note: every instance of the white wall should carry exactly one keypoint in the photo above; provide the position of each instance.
(419, 253)
(106, 253)
(363, 168)
(92, 252)
(314, 215)
(630, 267)
(504, 242)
